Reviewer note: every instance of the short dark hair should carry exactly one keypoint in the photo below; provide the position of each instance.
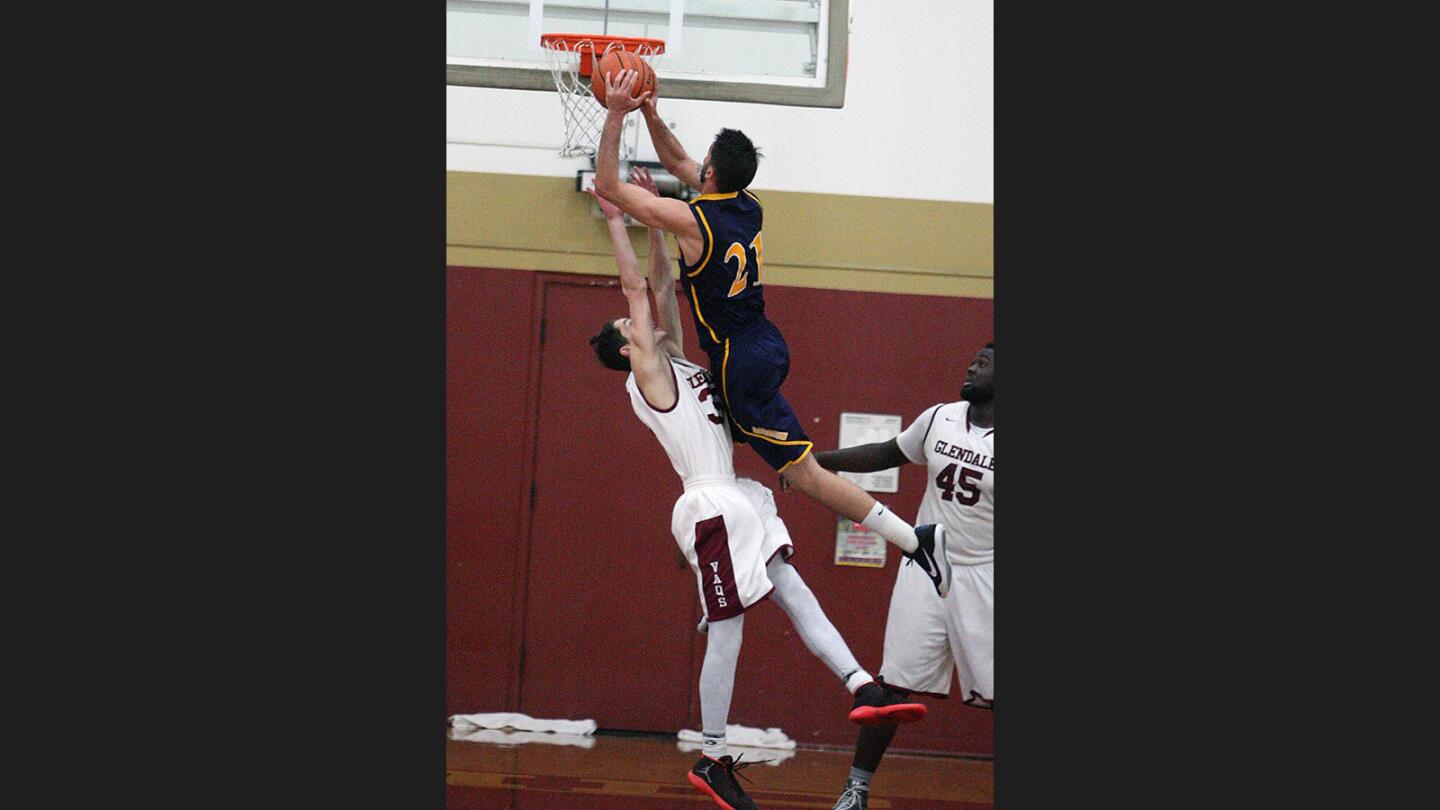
(734, 160)
(990, 345)
(607, 343)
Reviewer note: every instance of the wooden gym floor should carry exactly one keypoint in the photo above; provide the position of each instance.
(611, 772)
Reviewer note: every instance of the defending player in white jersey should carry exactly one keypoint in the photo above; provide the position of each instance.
(927, 636)
(727, 528)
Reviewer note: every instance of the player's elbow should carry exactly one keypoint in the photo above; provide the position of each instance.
(607, 187)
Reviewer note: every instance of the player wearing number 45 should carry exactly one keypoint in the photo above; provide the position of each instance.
(720, 266)
(727, 529)
(925, 636)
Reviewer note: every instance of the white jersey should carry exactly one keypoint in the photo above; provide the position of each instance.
(726, 528)
(960, 492)
(692, 431)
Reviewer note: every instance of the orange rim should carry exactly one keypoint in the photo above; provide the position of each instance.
(605, 43)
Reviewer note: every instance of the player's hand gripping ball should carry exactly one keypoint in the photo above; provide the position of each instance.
(615, 61)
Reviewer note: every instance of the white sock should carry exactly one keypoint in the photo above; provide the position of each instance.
(713, 745)
(888, 525)
(857, 679)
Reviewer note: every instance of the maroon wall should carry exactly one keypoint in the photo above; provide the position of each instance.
(489, 340)
(850, 351)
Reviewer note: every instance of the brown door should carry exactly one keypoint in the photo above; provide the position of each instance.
(611, 606)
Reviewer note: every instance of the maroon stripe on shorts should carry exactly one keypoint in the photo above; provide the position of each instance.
(717, 575)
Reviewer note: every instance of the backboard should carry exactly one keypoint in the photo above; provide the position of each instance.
(790, 52)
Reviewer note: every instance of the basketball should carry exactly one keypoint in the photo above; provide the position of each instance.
(616, 61)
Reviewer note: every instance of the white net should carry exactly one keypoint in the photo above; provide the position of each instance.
(584, 116)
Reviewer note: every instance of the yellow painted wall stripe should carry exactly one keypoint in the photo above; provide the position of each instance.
(817, 241)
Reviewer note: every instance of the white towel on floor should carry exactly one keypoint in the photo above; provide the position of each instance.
(520, 722)
(760, 756)
(497, 737)
(746, 737)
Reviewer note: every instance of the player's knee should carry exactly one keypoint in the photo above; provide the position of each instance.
(803, 473)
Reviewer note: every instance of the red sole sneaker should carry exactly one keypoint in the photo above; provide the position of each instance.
(898, 713)
(704, 788)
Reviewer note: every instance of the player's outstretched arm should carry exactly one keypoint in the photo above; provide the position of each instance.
(661, 271)
(668, 147)
(863, 458)
(647, 360)
(662, 278)
(629, 266)
(656, 212)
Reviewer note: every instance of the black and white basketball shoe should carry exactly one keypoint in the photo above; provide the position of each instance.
(931, 556)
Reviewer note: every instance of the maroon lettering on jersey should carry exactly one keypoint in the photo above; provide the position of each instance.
(701, 380)
(717, 575)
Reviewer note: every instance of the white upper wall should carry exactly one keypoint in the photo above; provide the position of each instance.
(918, 120)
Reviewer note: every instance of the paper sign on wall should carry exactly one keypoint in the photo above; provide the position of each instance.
(857, 545)
(868, 428)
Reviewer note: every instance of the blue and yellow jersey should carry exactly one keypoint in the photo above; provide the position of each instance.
(724, 282)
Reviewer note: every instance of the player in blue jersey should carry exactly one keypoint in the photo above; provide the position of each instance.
(721, 252)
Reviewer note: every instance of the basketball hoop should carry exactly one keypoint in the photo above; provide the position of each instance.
(572, 60)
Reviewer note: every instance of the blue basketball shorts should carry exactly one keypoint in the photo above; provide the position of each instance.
(750, 370)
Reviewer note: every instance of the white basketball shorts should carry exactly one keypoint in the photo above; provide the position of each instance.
(728, 531)
(926, 635)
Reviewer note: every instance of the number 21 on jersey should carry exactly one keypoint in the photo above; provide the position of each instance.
(743, 277)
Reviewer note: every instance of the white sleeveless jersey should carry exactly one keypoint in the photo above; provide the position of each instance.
(960, 492)
(692, 431)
